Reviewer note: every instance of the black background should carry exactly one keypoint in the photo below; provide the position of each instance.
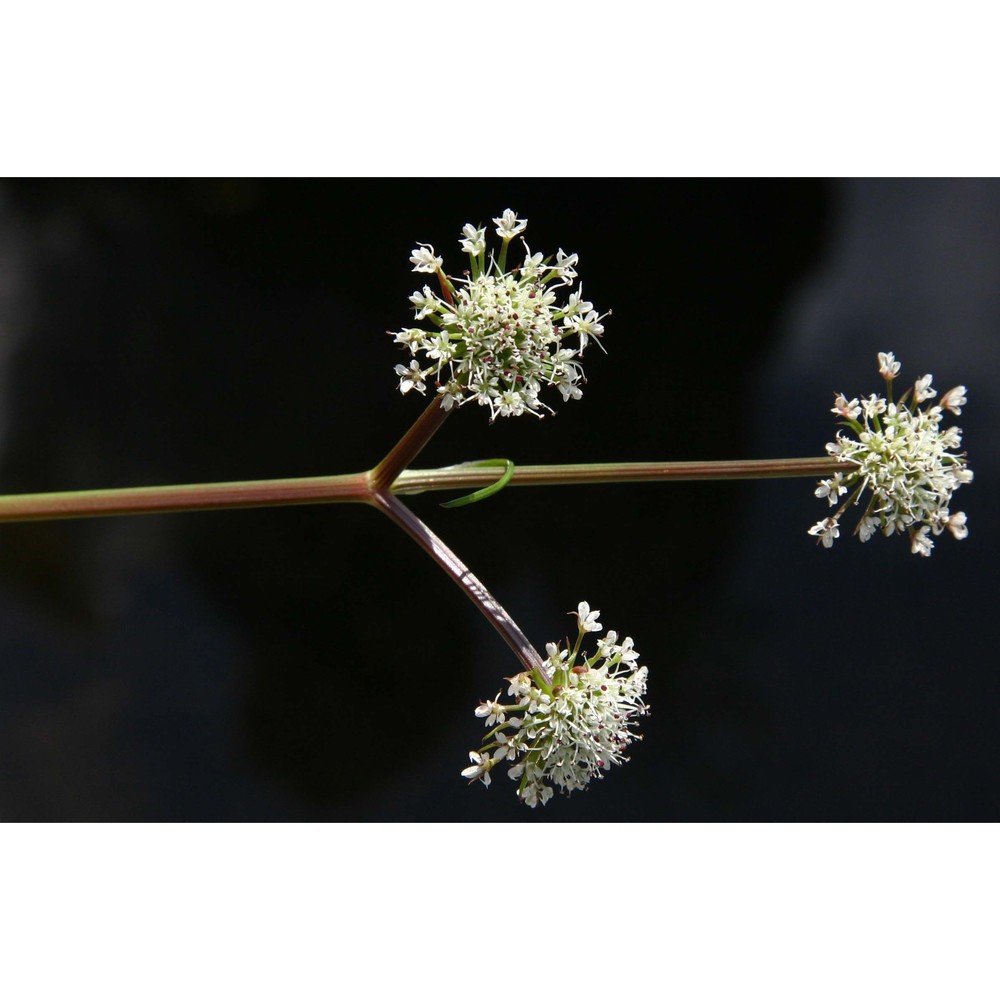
(313, 664)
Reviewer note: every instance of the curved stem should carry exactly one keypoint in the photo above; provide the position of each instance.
(494, 611)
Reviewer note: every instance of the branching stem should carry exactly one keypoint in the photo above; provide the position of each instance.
(359, 487)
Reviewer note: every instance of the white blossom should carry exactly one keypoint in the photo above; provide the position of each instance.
(827, 531)
(628, 654)
(491, 711)
(520, 685)
(482, 764)
(586, 327)
(510, 746)
(844, 408)
(901, 462)
(873, 405)
(509, 225)
(566, 266)
(499, 337)
(424, 303)
(954, 400)
(831, 488)
(867, 527)
(956, 525)
(888, 366)
(424, 259)
(921, 542)
(451, 395)
(576, 304)
(557, 658)
(922, 389)
(588, 619)
(567, 727)
(607, 644)
(473, 240)
(410, 378)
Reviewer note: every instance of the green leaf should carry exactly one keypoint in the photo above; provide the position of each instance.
(486, 491)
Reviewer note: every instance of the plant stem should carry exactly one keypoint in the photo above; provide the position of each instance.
(358, 487)
(409, 445)
(352, 488)
(466, 476)
(398, 512)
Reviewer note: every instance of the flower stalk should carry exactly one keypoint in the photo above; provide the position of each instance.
(467, 582)
(409, 445)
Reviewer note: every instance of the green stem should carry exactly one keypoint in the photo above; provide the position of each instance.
(409, 445)
(466, 476)
(352, 488)
(358, 487)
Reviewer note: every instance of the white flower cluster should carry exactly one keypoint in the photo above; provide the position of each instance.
(498, 336)
(564, 731)
(903, 457)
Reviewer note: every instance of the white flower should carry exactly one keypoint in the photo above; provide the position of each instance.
(534, 793)
(922, 389)
(628, 655)
(424, 303)
(586, 327)
(410, 378)
(575, 304)
(841, 406)
(509, 225)
(572, 727)
(498, 336)
(873, 405)
(473, 240)
(568, 390)
(904, 462)
(956, 525)
(588, 618)
(954, 400)
(451, 394)
(412, 338)
(831, 488)
(509, 747)
(520, 685)
(606, 645)
(533, 263)
(440, 347)
(566, 266)
(921, 542)
(888, 366)
(556, 658)
(827, 531)
(482, 764)
(867, 527)
(424, 260)
(510, 403)
(491, 711)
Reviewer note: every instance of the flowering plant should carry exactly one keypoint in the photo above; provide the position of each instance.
(500, 337)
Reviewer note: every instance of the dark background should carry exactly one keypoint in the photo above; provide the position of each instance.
(313, 664)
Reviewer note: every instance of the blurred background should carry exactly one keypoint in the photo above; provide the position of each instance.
(312, 663)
